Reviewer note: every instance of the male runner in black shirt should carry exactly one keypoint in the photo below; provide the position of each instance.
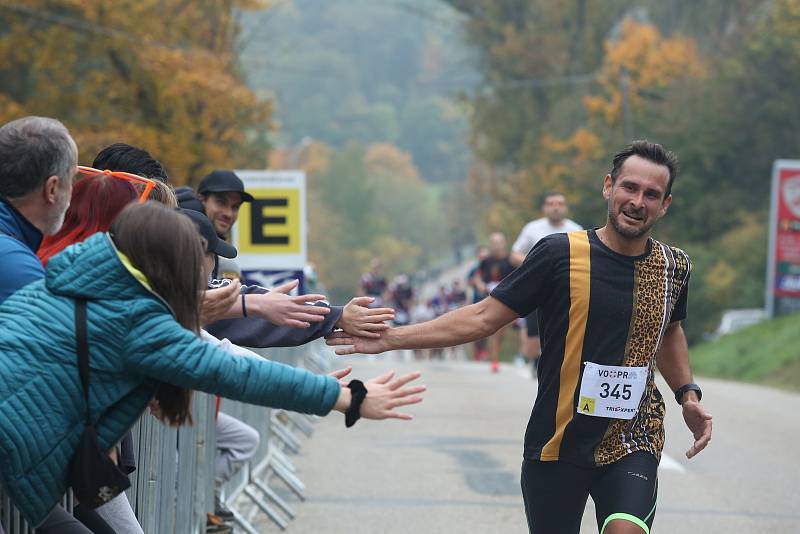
(612, 301)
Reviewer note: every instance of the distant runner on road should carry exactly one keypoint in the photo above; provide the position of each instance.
(374, 284)
(491, 271)
(612, 302)
(482, 252)
(555, 209)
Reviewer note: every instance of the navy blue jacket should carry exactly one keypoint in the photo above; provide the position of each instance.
(259, 333)
(19, 241)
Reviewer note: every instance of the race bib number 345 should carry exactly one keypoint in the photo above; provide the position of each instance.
(611, 391)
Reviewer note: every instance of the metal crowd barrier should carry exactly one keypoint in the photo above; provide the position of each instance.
(251, 493)
(11, 521)
(172, 488)
(173, 485)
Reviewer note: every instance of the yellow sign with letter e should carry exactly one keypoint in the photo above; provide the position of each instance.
(270, 224)
(270, 233)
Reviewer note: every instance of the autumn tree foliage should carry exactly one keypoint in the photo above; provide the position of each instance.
(367, 202)
(640, 62)
(160, 74)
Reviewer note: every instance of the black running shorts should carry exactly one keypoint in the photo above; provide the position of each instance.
(555, 493)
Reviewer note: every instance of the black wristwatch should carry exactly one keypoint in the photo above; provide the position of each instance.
(358, 392)
(681, 391)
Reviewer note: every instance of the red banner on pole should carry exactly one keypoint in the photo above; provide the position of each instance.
(783, 277)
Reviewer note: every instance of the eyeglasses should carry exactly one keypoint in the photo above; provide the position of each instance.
(135, 178)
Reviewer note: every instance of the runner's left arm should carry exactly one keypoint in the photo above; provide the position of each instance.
(673, 358)
(673, 362)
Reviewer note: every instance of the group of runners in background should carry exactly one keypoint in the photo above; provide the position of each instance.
(492, 264)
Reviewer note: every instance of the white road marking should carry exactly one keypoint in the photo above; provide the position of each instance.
(670, 464)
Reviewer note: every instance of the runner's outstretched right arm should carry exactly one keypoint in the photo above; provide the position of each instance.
(454, 328)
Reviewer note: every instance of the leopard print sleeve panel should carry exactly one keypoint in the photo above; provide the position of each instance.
(659, 280)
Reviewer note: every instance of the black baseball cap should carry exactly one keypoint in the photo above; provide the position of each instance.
(213, 243)
(223, 181)
(187, 199)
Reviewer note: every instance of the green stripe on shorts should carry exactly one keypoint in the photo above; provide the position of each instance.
(625, 517)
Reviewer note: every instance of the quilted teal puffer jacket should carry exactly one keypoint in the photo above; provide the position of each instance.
(134, 344)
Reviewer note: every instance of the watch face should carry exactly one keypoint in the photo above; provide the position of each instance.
(684, 389)
(217, 283)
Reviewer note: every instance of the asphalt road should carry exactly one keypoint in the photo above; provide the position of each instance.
(455, 468)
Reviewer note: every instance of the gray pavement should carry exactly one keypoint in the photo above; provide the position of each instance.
(455, 468)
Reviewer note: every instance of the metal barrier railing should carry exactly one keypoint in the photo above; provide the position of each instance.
(278, 431)
(173, 487)
(11, 521)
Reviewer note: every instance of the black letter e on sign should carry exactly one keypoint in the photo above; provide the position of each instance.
(260, 221)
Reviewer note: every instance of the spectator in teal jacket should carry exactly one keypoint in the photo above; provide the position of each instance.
(143, 288)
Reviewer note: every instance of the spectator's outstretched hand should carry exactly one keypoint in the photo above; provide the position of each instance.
(360, 320)
(155, 409)
(355, 345)
(384, 396)
(282, 309)
(217, 302)
(339, 375)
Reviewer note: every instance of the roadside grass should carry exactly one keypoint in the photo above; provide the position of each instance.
(765, 353)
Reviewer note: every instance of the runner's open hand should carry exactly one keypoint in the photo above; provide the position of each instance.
(699, 422)
(357, 345)
(359, 320)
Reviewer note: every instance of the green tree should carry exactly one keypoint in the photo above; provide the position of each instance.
(364, 203)
(368, 72)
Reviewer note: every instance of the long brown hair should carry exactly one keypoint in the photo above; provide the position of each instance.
(166, 247)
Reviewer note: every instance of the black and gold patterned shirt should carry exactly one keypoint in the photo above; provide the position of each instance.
(595, 305)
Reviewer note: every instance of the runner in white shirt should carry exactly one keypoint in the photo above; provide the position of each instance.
(554, 221)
